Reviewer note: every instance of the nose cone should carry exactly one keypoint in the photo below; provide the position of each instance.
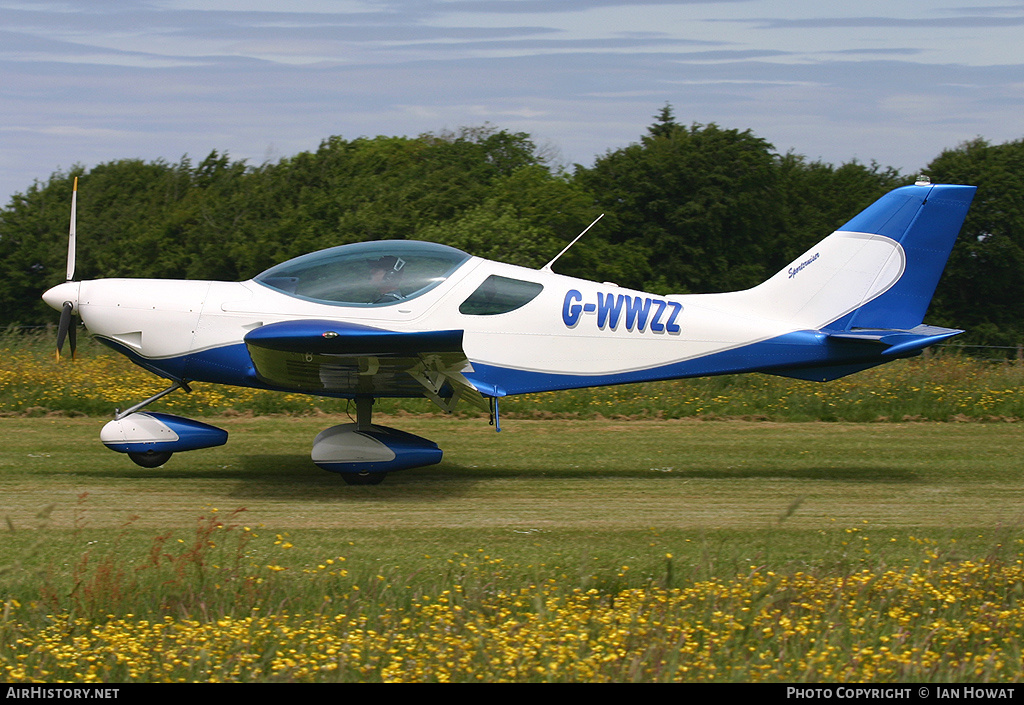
(68, 291)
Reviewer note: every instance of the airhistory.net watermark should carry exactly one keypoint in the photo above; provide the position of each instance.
(53, 693)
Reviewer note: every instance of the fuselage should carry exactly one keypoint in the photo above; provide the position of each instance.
(524, 330)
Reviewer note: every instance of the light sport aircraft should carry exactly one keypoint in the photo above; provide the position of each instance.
(403, 318)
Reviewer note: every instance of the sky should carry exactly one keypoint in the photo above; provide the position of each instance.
(893, 82)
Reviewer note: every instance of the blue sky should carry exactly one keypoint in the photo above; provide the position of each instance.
(894, 82)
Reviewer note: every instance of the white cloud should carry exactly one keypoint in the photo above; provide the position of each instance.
(893, 81)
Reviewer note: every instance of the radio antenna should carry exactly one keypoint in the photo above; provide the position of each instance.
(547, 267)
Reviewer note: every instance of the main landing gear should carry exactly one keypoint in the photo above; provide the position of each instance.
(364, 453)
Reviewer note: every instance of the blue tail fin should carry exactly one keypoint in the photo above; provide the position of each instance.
(925, 221)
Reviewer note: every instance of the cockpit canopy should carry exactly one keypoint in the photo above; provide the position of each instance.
(366, 273)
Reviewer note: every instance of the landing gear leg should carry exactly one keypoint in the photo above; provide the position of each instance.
(364, 413)
(364, 417)
(178, 384)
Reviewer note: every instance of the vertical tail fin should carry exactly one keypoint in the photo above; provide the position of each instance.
(878, 271)
(924, 221)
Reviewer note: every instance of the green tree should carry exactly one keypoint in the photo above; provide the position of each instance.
(527, 218)
(982, 289)
(664, 123)
(815, 198)
(697, 203)
(382, 188)
(222, 219)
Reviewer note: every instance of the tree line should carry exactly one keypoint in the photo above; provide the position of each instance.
(688, 208)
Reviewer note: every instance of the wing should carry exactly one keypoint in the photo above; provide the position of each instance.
(349, 360)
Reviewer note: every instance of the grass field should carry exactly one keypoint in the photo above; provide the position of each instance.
(748, 528)
(555, 550)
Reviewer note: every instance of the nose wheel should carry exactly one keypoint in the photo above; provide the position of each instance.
(150, 458)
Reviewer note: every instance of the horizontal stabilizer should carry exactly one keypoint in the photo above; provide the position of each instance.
(898, 342)
(864, 348)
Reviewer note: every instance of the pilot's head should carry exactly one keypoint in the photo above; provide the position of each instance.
(386, 272)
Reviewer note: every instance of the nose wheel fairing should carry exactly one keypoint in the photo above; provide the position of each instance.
(158, 433)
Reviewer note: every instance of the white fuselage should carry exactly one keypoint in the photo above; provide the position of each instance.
(573, 327)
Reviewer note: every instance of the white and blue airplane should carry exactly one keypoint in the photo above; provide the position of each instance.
(403, 318)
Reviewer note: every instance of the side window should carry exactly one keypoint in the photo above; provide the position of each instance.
(499, 295)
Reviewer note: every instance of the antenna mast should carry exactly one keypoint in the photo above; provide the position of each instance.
(547, 267)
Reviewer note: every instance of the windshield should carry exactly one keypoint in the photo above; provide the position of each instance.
(366, 273)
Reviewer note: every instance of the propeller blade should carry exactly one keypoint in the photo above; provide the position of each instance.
(64, 327)
(72, 236)
(67, 328)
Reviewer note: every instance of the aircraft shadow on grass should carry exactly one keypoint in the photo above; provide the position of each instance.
(292, 475)
(290, 472)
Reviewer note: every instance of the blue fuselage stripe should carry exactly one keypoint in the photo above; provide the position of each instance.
(802, 349)
(232, 365)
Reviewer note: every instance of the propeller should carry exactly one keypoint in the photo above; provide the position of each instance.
(67, 327)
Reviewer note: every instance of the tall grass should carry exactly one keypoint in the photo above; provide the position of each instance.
(226, 604)
(937, 387)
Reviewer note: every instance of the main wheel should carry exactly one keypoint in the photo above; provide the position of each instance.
(151, 458)
(363, 478)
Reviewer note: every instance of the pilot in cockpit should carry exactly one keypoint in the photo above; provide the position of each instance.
(386, 276)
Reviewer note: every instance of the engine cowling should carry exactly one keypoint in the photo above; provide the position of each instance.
(372, 449)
